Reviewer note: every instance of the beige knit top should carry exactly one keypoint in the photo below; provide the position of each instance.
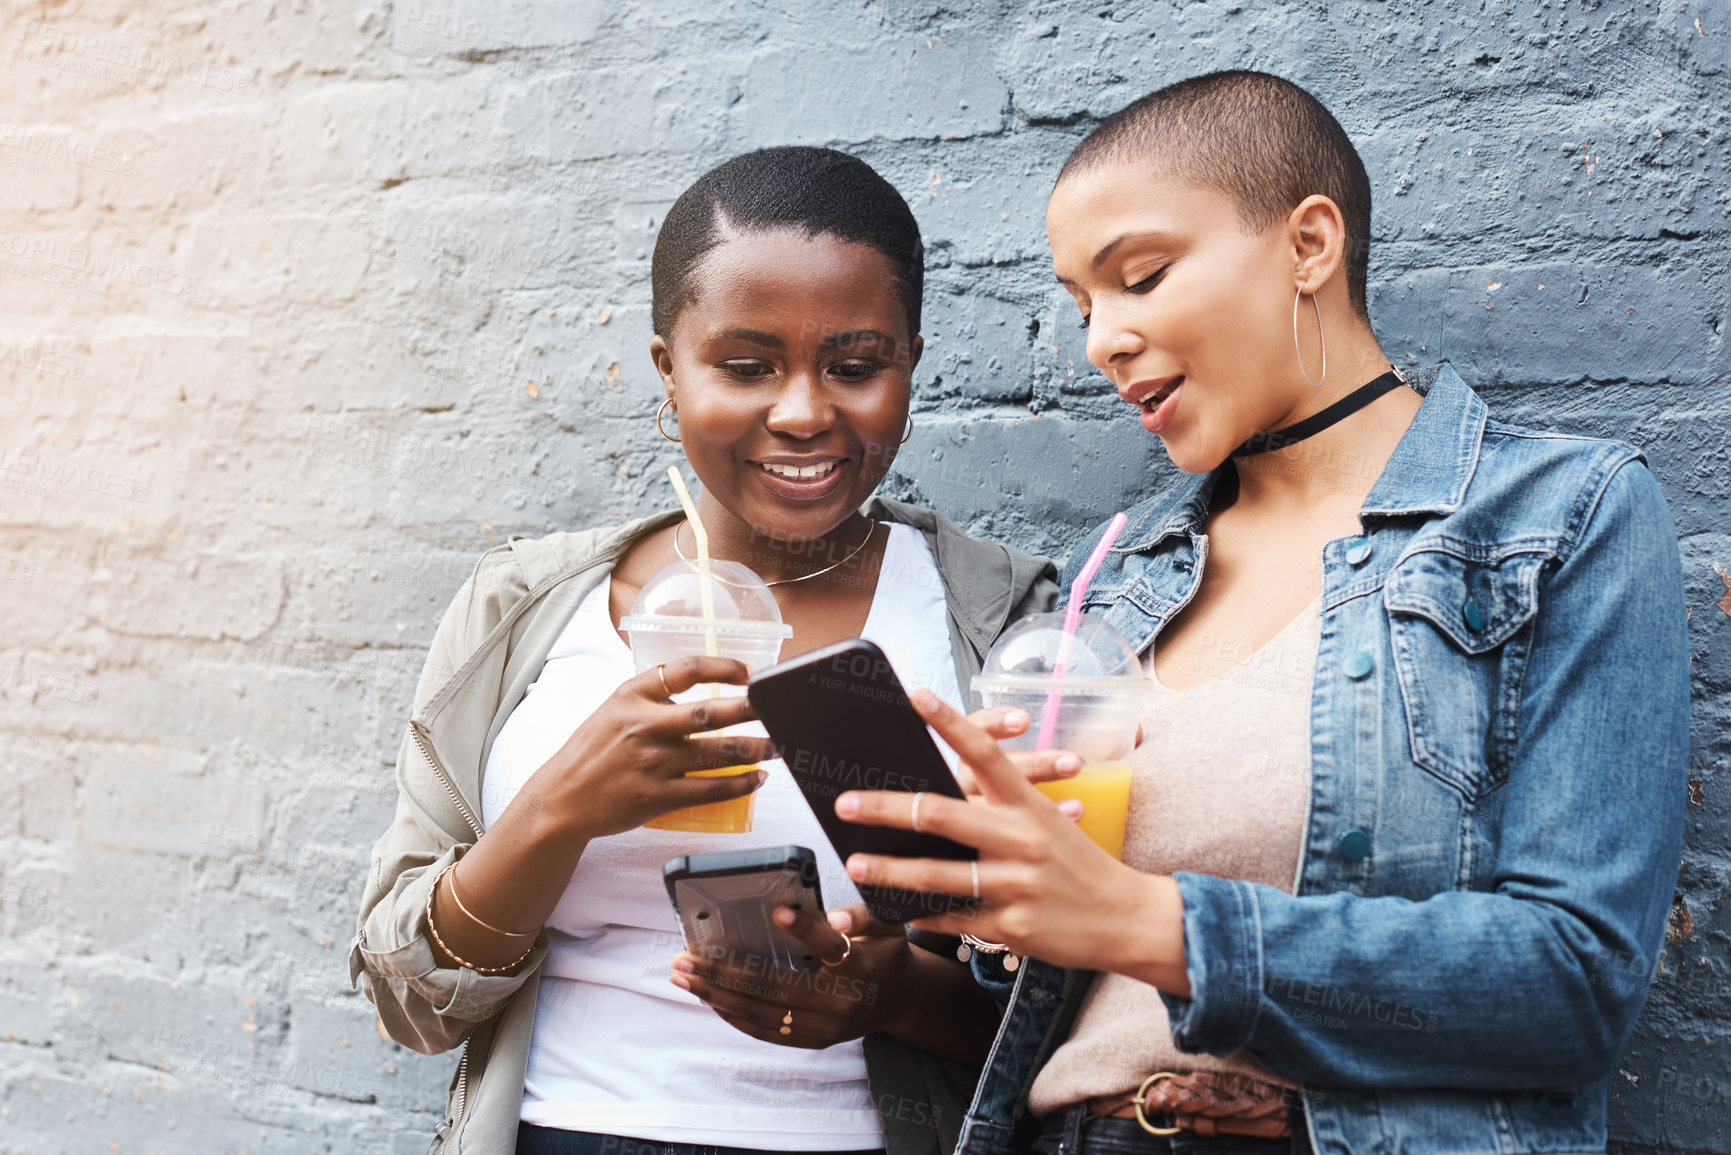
(1221, 786)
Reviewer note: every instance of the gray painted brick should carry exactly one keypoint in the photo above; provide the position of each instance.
(925, 87)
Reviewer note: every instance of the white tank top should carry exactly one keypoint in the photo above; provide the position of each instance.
(617, 1048)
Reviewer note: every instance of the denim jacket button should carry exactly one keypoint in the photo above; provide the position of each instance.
(1353, 845)
(1359, 665)
(1358, 550)
(1473, 616)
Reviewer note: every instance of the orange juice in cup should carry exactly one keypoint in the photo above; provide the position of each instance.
(1083, 695)
(730, 817)
(1104, 790)
(674, 616)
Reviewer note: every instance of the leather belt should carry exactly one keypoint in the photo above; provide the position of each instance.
(1205, 1102)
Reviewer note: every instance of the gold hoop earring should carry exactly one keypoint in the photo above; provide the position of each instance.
(910, 431)
(658, 414)
(1316, 384)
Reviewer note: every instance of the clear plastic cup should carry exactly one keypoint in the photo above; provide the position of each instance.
(667, 622)
(1096, 706)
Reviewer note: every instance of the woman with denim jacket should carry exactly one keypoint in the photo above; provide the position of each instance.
(516, 904)
(1469, 638)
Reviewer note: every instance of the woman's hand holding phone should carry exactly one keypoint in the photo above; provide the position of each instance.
(860, 988)
(1045, 889)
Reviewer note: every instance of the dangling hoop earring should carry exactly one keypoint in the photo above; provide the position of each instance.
(910, 431)
(662, 410)
(1296, 348)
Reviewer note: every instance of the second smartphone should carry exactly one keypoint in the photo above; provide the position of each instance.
(841, 721)
(725, 901)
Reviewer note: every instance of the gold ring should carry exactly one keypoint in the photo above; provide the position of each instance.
(846, 949)
(1141, 1092)
(661, 672)
(914, 815)
(787, 1023)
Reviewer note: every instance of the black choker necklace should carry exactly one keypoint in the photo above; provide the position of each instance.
(1317, 422)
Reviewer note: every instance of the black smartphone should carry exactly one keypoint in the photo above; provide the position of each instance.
(725, 900)
(841, 721)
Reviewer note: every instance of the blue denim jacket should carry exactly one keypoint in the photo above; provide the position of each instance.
(1499, 748)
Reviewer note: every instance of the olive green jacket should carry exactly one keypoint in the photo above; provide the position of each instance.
(489, 646)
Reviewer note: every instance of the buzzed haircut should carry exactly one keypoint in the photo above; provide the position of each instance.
(1261, 140)
(816, 191)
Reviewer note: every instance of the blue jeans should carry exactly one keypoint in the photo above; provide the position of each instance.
(1077, 1132)
(533, 1140)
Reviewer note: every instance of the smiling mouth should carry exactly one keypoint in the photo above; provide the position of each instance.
(1149, 402)
(799, 472)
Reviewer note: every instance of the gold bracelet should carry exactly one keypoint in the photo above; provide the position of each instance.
(455, 957)
(456, 898)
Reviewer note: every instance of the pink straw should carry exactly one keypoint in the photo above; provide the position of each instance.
(1073, 619)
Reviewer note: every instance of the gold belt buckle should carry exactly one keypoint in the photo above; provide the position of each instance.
(1141, 1093)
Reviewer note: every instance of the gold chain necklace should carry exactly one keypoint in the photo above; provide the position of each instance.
(871, 527)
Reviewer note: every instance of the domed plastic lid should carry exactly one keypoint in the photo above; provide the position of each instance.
(672, 602)
(1024, 658)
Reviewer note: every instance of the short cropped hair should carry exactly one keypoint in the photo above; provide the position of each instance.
(817, 191)
(1263, 141)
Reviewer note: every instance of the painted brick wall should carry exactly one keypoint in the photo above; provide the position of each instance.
(304, 303)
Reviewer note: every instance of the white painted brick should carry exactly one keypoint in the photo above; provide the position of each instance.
(213, 596)
(452, 27)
